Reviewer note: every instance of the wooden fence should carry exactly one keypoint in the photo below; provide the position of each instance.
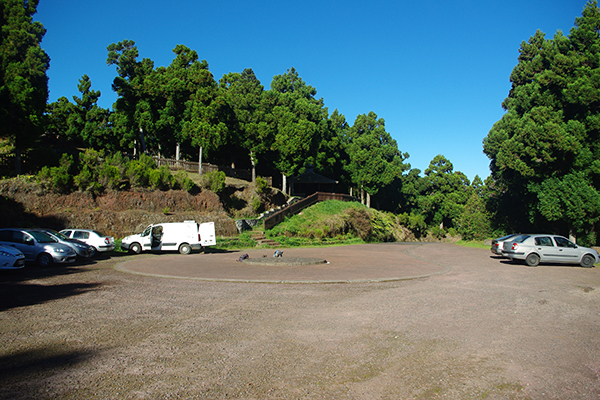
(298, 206)
(191, 166)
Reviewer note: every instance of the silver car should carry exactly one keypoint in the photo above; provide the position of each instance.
(11, 258)
(37, 246)
(534, 249)
(82, 249)
(497, 244)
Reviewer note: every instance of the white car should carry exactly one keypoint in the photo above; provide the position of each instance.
(98, 241)
(11, 258)
(533, 249)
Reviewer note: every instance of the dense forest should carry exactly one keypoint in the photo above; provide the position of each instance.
(544, 152)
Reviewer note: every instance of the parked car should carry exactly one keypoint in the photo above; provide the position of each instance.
(98, 241)
(497, 244)
(37, 246)
(11, 258)
(534, 249)
(82, 249)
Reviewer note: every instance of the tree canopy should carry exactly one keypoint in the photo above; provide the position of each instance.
(545, 150)
(23, 79)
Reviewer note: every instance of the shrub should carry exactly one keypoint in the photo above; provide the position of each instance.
(137, 173)
(183, 181)
(214, 181)
(256, 203)
(109, 177)
(58, 179)
(261, 185)
(161, 178)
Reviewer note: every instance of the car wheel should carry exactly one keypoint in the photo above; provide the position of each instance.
(587, 261)
(532, 260)
(185, 248)
(44, 260)
(135, 248)
(93, 251)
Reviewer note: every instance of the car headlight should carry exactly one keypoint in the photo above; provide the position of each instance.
(6, 254)
(58, 250)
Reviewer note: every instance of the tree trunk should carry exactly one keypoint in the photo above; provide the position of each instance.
(200, 161)
(177, 150)
(253, 162)
(17, 161)
(368, 200)
(284, 183)
(143, 141)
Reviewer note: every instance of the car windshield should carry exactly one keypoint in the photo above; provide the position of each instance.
(58, 235)
(521, 239)
(42, 237)
(506, 237)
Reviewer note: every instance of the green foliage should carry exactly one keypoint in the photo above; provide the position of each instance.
(183, 181)
(334, 221)
(545, 150)
(256, 203)
(260, 186)
(214, 181)
(96, 173)
(161, 178)
(23, 79)
(58, 178)
(375, 160)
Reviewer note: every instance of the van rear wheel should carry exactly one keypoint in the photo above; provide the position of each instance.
(185, 248)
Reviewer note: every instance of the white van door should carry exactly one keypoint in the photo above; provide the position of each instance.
(207, 234)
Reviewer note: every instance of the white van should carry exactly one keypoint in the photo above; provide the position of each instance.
(181, 236)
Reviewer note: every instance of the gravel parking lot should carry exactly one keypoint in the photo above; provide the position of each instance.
(389, 321)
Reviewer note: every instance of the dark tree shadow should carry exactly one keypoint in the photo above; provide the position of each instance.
(26, 369)
(16, 292)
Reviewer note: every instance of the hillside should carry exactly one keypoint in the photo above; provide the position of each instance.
(24, 203)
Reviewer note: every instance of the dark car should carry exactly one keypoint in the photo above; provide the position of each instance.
(82, 249)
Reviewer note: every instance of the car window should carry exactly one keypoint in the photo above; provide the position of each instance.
(66, 233)
(147, 231)
(544, 241)
(562, 242)
(6, 236)
(42, 237)
(80, 235)
(58, 235)
(521, 239)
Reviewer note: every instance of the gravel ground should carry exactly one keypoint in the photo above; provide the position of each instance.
(484, 329)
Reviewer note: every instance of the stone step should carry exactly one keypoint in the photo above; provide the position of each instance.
(267, 242)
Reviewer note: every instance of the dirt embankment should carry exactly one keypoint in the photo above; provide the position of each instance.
(114, 213)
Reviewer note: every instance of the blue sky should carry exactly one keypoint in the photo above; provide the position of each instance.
(436, 72)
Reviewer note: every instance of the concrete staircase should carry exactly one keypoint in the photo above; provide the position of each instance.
(261, 239)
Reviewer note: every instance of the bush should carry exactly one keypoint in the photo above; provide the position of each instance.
(161, 178)
(183, 181)
(261, 185)
(58, 179)
(214, 181)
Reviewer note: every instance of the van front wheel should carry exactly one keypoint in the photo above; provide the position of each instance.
(135, 248)
(185, 248)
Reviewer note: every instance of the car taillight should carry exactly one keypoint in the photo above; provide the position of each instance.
(515, 246)
(106, 241)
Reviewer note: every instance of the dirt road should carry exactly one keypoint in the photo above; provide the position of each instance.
(471, 327)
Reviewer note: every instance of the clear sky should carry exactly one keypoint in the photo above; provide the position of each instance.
(435, 71)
